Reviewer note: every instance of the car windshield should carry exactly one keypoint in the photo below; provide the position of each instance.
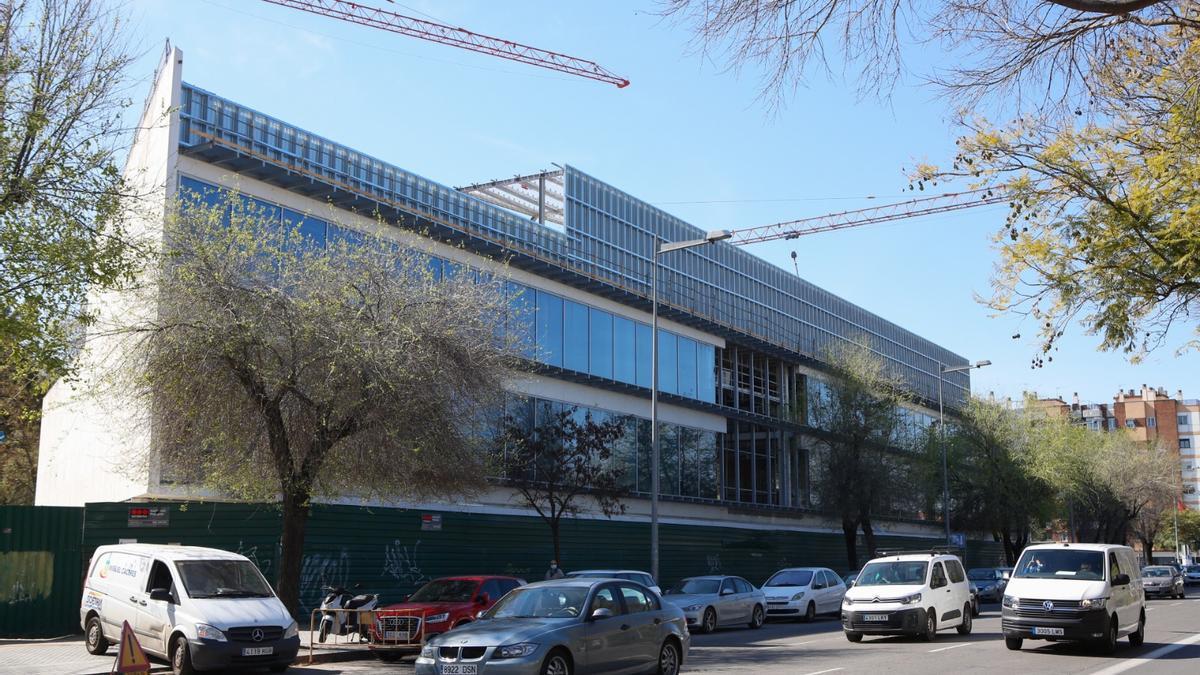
(1192, 568)
(223, 579)
(790, 578)
(543, 602)
(982, 574)
(446, 590)
(696, 586)
(891, 573)
(1054, 563)
(1156, 572)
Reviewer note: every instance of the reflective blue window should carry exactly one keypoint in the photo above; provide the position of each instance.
(601, 362)
(687, 367)
(575, 336)
(343, 234)
(549, 329)
(451, 270)
(311, 229)
(668, 455)
(520, 318)
(706, 373)
(624, 351)
(644, 373)
(435, 268)
(668, 365)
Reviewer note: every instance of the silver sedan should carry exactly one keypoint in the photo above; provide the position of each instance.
(563, 627)
(713, 601)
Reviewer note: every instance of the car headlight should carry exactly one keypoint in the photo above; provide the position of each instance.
(846, 600)
(427, 651)
(437, 618)
(515, 651)
(207, 632)
(1092, 603)
(911, 599)
(292, 631)
(693, 608)
(798, 596)
(1010, 601)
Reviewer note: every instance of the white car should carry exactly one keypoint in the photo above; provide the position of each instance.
(1087, 592)
(908, 594)
(199, 608)
(628, 575)
(803, 592)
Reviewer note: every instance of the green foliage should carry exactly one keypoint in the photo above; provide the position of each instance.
(562, 463)
(1189, 530)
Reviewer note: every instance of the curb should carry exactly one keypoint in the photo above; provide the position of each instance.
(333, 656)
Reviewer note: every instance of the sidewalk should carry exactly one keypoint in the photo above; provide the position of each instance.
(67, 656)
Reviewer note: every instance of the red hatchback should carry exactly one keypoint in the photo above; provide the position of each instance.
(436, 607)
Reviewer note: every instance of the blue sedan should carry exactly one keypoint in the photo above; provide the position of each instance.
(565, 627)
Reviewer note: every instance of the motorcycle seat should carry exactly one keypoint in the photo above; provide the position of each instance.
(358, 601)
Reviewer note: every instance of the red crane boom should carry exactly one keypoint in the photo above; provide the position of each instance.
(455, 37)
(913, 208)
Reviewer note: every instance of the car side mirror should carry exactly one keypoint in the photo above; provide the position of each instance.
(600, 613)
(481, 615)
(405, 598)
(483, 599)
(160, 594)
(726, 591)
(1121, 580)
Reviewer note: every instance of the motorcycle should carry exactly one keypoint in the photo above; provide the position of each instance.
(345, 622)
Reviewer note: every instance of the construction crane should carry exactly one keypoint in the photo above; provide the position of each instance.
(462, 38)
(913, 208)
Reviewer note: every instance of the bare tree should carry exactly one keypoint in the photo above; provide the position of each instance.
(562, 464)
(280, 367)
(859, 411)
(1045, 47)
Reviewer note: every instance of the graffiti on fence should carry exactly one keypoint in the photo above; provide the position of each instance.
(251, 552)
(321, 570)
(400, 563)
(25, 576)
(714, 563)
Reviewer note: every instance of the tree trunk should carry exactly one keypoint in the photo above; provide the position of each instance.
(555, 538)
(850, 534)
(868, 537)
(1148, 549)
(291, 551)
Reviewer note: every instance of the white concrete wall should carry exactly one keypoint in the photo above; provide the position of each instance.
(96, 440)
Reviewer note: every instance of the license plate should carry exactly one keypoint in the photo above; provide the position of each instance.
(258, 651)
(395, 635)
(1047, 631)
(459, 669)
(875, 617)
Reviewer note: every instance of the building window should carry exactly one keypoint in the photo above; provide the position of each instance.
(1181, 420)
(1185, 444)
(1150, 422)
(1112, 424)
(1130, 424)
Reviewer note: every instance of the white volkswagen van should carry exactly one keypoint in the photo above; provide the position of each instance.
(908, 594)
(199, 608)
(1090, 592)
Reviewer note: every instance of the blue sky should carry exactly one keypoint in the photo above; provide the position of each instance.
(686, 135)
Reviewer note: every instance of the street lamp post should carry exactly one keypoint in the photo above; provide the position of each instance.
(659, 249)
(942, 370)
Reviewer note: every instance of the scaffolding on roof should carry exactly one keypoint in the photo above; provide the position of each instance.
(541, 197)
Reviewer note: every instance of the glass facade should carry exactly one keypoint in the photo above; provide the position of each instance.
(609, 238)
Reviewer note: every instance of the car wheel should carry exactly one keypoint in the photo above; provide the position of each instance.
(853, 636)
(975, 608)
(709, 622)
(96, 643)
(181, 658)
(930, 626)
(757, 618)
(1108, 644)
(810, 613)
(557, 663)
(668, 659)
(1013, 643)
(964, 628)
(1137, 637)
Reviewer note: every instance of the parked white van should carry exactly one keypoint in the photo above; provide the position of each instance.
(908, 594)
(199, 608)
(1090, 592)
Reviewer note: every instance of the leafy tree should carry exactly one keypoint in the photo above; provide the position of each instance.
(561, 464)
(275, 367)
(62, 197)
(859, 411)
(991, 486)
(1189, 530)
(21, 394)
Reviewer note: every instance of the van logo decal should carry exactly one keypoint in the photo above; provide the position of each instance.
(1049, 606)
(257, 635)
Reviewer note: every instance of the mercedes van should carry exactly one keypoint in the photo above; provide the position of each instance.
(1085, 592)
(198, 608)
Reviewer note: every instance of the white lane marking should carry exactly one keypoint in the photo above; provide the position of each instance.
(942, 649)
(1143, 660)
(821, 672)
(1174, 603)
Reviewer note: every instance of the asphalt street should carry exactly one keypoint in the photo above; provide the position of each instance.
(1172, 646)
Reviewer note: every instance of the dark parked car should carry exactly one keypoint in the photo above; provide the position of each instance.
(562, 627)
(1162, 581)
(991, 582)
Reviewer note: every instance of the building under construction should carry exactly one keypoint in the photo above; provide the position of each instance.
(741, 340)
